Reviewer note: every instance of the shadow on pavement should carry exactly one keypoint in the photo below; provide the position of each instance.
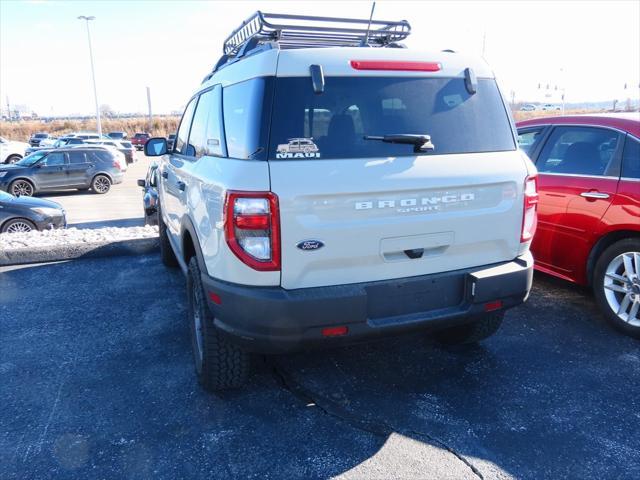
(98, 382)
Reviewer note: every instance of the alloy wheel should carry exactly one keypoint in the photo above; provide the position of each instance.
(18, 227)
(22, 187)
(622, 287)
(101, 184)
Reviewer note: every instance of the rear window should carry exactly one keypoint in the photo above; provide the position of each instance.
(142, 135)
(333, 124)
(126, 144)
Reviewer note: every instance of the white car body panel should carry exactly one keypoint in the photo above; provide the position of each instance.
(9, 147)
(318, 198)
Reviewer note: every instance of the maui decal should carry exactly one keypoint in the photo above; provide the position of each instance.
(298, 148)
(297, 155)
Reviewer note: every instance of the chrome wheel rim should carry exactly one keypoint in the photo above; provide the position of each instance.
(101, 184)
(18, 227)
(622, 287)
(21, 188)
(197, 327)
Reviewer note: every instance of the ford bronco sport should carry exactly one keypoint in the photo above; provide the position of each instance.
(414, 209)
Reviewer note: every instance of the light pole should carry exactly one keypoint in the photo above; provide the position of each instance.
(93, 73)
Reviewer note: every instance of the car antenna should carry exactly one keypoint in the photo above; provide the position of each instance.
(365, 40)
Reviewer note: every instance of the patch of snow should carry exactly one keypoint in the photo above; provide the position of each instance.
(74, 236)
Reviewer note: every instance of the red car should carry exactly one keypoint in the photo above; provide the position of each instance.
(589, 210)
(139, 139)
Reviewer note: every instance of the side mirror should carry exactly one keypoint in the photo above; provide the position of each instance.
(141, 182)
(155, 147)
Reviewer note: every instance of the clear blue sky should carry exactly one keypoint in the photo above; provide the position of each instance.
(590, 47)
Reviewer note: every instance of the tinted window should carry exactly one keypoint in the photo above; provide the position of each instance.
(334, 123)
(246, 110)
(75, 141)
(206, 135)
(578, 150)
(181, 144)
(76, 157)
(528, 139)
(54, 159)
(100, 156)
(631, 158)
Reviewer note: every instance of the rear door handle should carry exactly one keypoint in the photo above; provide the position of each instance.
(594, 195)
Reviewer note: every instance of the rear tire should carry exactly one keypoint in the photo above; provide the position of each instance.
(167, 255)
(220, 364)
(13, 159)
(18, 225)
(619, 301)
(480, 329)
(101, 184)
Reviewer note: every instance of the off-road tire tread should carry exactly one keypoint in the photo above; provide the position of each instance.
(167, 255)
(225, 365)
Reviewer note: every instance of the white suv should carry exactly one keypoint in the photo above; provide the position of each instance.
(413, 210)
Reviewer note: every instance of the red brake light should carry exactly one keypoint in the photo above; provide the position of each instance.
(530, 216)
(252, 228)
(395, 65)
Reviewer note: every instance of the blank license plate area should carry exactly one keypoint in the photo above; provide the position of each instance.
(406, 297)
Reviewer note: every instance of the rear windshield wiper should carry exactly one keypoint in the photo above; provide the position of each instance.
(421, 143)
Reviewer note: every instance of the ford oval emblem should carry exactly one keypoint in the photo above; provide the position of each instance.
(310, 245)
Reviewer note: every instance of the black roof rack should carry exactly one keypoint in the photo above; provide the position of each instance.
(260, 32)
(298, 31)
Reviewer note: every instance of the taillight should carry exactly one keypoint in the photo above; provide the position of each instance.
(530, 217)
(252, 228)
(116, 163)
(395, 65)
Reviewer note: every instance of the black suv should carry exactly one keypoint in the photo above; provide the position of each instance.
(55, 169)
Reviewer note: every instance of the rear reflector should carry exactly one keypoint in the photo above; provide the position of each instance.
(395, 65)
(491, 306)
(215, 298)
(334, 331)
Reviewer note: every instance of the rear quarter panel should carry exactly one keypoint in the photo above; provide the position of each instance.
(208, 180)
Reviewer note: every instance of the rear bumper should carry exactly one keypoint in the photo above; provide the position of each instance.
(272, 319)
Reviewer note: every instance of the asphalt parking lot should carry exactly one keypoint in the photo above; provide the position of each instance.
(97, 382)
(120, 207)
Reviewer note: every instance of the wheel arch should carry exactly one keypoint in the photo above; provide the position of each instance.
(101, 173)
(191, 244)
(602, 244)
(26, 179)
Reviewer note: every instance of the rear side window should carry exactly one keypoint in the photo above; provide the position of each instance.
(182, 146)
(631, 158)
(578, 151)
(333, 124)
(76, 157)
(246, 108)
(206, 133)
(100, 155)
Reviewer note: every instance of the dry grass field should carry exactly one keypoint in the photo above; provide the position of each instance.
(161, 126)
(21, 131)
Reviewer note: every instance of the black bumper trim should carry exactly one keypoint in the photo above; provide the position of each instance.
(272, 319)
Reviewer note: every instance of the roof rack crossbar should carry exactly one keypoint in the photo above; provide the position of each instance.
(299, 31)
